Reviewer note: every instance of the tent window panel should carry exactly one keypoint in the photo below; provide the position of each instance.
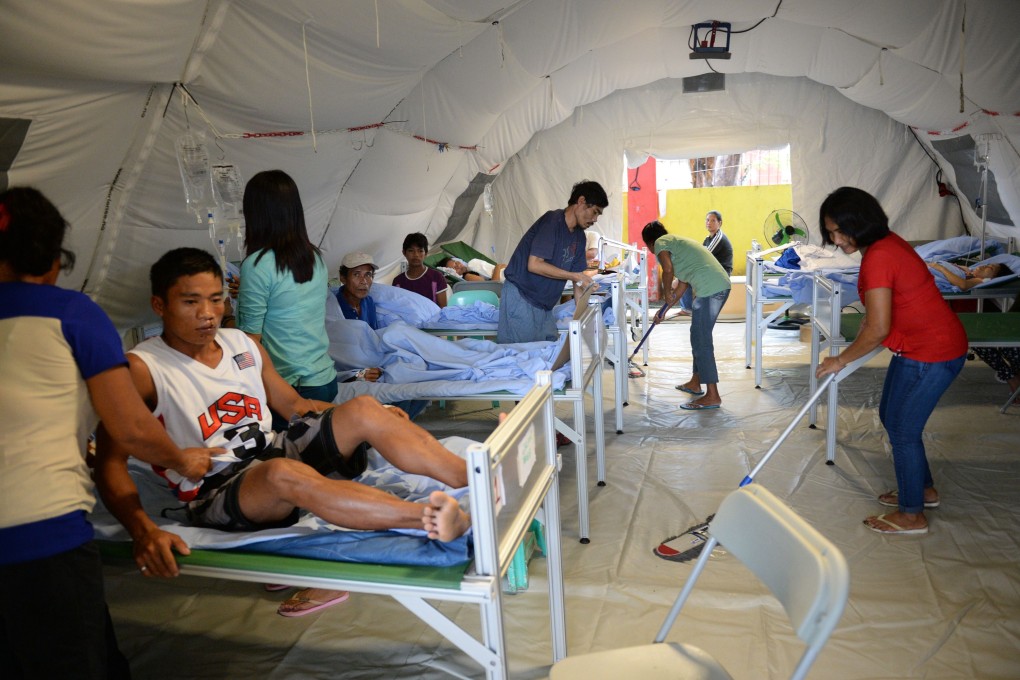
(12, 136)
(959, 151)
(758, 167)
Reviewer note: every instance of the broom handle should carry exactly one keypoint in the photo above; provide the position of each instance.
(789, 428)
(661, 314)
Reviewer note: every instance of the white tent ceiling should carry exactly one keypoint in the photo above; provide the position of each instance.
(536, 94)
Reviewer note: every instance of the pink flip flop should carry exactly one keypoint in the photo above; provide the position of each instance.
(317, 605)
(275, 587)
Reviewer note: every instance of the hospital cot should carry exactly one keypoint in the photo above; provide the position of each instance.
(512, 476)
(634, 261)
(757, 298)
(833, 329)
(586, 340)
(616, 351)
(767, 283)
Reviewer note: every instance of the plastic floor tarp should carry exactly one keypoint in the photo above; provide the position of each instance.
(945, 605)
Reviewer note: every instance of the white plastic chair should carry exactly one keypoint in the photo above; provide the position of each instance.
(805, 572)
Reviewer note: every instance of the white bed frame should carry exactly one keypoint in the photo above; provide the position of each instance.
(755, 321)
(827, 335)
(587, 340)
(511, 476)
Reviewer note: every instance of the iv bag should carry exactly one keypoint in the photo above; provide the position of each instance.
(487, 199)
(228, 190)
(193, 160)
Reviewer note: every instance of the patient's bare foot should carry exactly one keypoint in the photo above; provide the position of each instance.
(443, 519)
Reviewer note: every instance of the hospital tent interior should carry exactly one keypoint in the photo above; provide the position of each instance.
(466, 120)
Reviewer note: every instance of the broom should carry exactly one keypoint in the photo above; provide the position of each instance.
(695, 537)
(634, 371)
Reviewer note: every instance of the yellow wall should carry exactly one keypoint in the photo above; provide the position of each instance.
(744, 210)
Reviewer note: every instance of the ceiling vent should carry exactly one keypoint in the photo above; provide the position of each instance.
(706, 82)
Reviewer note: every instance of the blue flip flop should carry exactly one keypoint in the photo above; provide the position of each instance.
(688, 390)
(691, 406)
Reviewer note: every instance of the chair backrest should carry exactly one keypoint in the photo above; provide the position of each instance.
(494, 286)
(803, 569)
(466, 298)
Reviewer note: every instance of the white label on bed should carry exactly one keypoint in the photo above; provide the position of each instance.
(525, 455)
(498, 491)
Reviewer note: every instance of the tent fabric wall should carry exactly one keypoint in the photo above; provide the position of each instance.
(823, 129)
(384, 112)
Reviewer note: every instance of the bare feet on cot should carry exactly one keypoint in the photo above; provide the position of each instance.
(443, 519)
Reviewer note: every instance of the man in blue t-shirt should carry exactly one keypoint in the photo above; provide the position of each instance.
(551, 252)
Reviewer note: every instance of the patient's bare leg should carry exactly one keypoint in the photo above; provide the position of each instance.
(443, 518)
(400, 441)
(271, 490)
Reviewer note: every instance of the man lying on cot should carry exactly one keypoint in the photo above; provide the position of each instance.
(473, 270)
(212, 384)
(966, 278)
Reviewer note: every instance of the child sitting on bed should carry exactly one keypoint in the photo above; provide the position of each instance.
(216, 386)
(966, 278)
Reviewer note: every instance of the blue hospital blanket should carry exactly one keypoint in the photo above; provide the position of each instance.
(944, 285)
(418, 365)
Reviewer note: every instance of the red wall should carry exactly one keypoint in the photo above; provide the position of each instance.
(642, 208)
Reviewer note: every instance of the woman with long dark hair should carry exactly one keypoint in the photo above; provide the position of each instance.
(282, 304)
(282, 296)
(907, 314)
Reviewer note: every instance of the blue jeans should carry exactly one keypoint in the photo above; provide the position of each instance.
(521, 321)
(703, 315)
(686, 299)
(911, 390)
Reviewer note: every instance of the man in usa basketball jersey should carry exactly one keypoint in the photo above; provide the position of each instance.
(216, 386)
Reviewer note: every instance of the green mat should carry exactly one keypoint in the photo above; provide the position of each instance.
(988, 327)
(457, 249)
(448, 578)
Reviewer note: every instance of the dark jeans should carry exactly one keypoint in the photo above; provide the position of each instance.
(703, 316)
(54, 622)
(912, 388)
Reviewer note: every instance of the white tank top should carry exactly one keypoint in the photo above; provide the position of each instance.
(202, 406)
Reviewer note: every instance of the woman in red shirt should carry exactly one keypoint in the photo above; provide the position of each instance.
(906, 313)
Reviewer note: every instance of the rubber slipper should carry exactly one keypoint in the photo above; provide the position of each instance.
(686, 545)
(316, 605)
(688, 390)
(894, 503)
(893, 527)
(693, 406)
(276, 587)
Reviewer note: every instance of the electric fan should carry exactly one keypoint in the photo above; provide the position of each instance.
(785, 226)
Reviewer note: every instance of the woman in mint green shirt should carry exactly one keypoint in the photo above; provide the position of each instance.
(693, 266)
(282, 297)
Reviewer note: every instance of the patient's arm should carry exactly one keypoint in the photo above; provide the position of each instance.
(153, 548)
(953, 277)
